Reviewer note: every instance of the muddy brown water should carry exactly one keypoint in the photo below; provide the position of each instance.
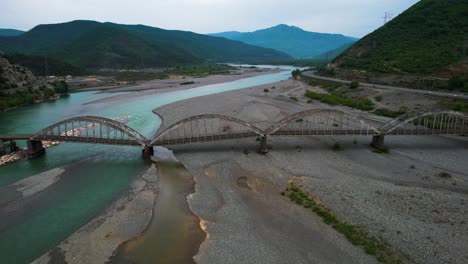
(174, 234)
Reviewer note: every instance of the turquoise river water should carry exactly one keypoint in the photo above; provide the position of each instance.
(94, 174)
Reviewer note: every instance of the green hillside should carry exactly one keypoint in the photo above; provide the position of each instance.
(427, 38)
(90, 44)
(40, 65)
(112, 47)
(211, 48)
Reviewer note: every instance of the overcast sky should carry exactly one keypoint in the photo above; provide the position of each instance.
(350, 17)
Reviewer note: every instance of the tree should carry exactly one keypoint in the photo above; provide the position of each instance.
(296, 73)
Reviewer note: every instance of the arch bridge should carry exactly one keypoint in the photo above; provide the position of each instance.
(216, 127)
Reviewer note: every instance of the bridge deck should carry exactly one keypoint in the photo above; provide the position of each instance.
(16, 136)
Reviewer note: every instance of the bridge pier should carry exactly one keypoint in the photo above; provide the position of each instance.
(13, 146)
(35, 149)
(378, 141)
(147, 152)
(263, 145)
(2, 147)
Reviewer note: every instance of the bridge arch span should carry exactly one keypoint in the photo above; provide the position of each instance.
(431, 122)
(92, 129)
(323, 121)
(205, 127)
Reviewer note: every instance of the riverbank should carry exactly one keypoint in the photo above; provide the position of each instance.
(398, 197)
(180, 82)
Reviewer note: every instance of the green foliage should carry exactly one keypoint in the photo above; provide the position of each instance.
(337, 147)
(61, 87)
(354, 85)
(457, 83)
(382, 150)
(425, 38)
(378, 98)
(246, 151)
(36, 64)
(296, 73)
(356, 235)
(338, 99)
(266, 90)
(389, 113)
(294, 98)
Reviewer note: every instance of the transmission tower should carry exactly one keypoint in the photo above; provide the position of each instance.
(387, 17)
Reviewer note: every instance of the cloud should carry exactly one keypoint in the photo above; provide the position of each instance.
(350, 17)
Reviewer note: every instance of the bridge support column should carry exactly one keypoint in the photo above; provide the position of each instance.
(147, 152)
(378, 141)
(13, 146)
(35, 149)
(2, 147)
(263, 145)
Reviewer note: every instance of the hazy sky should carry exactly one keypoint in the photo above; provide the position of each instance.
(349, 17)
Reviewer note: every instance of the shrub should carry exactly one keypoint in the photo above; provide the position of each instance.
(378, 98)
(354, 85)
(293, 98)
(266, 90)
(246, 151)
(337, 147)
(338, 99)
(390, 113)
(296, 73)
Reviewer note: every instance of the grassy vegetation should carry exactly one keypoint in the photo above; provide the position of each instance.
(199, 70)
(354, 85)
(356, 235)
(246, 151)
(389, 113)
(294, 98)
(455, 105)
(339, 99)
(382, 150)
(330, 86)
(426, 38)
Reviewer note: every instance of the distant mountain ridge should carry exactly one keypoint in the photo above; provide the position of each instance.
(6, 32)
(292, 40)
(91, 44)
(429, 37)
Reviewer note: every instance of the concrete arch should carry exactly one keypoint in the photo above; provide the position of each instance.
(292, 118)
(130, 132)
(398, 122)
(205, 117)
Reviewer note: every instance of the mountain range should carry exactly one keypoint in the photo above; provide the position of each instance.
(292, 40)
(429, 37)
(91, 44)
(10, 32)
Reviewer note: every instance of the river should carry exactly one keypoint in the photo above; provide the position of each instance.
(94, 174)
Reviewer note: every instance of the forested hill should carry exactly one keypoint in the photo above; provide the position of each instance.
(298, 43)
(90, 44)
(429, 37)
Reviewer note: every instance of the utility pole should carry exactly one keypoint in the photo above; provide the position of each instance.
(387, 17)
